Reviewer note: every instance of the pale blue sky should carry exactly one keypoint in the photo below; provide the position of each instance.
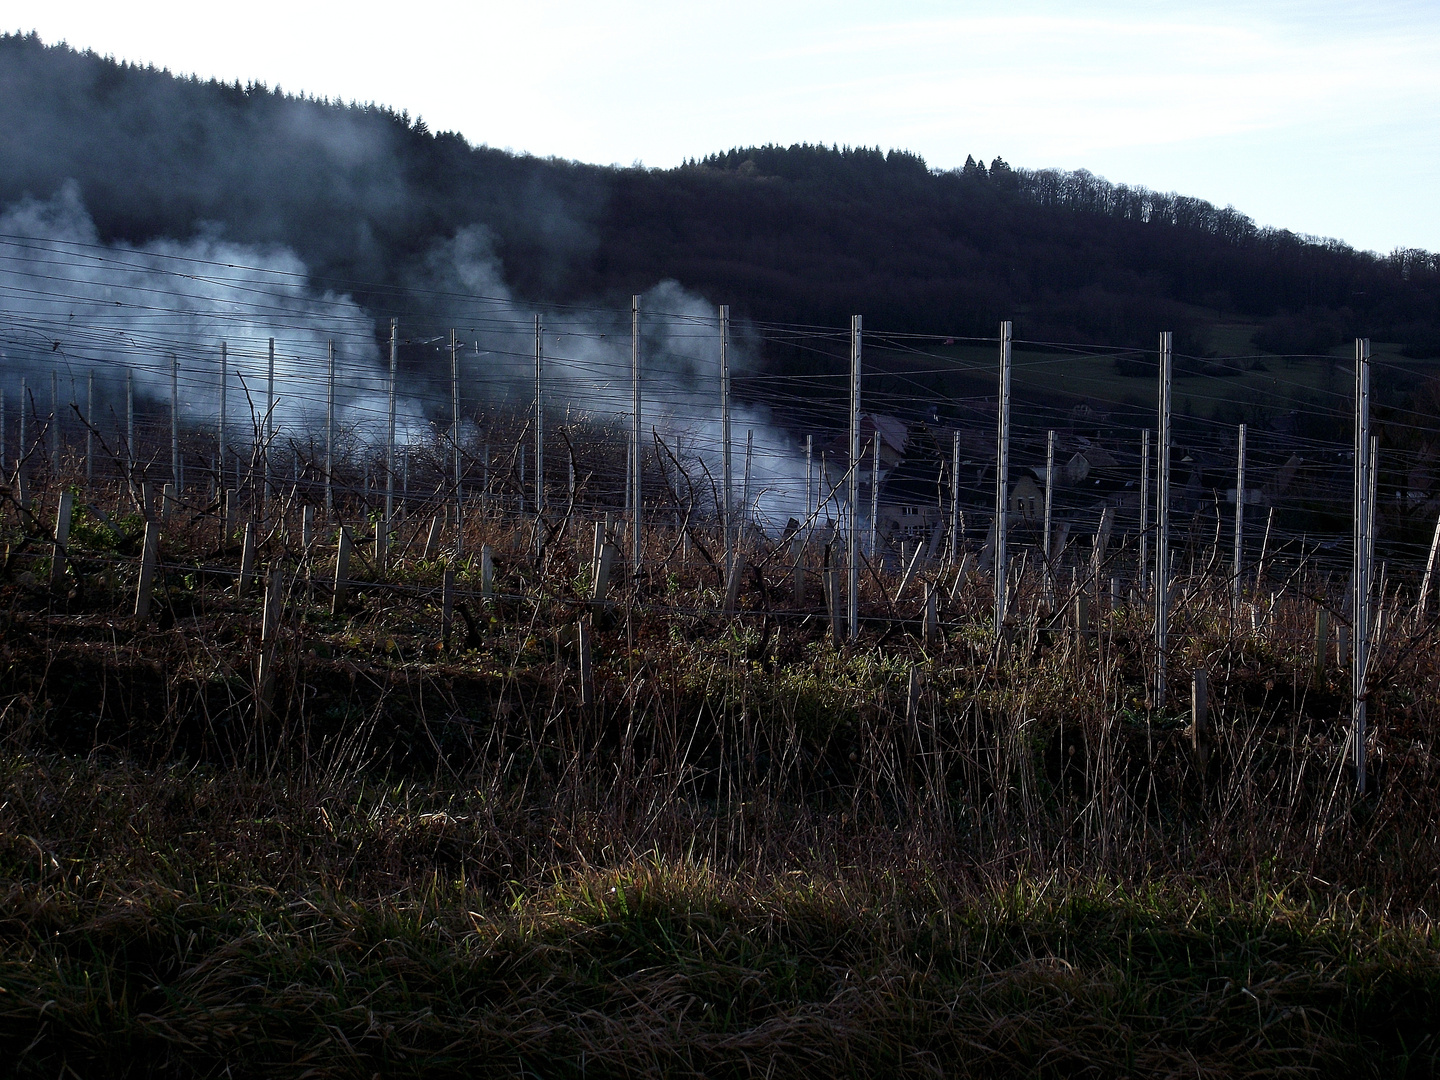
(1316, 116)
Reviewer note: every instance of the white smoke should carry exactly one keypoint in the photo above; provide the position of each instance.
(71, 304)
(587, 373)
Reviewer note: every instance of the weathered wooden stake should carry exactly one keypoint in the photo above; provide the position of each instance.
(269, 631)
(1162, 524)
(54, 425)
(602, 572)
(269, 428)
(307, 527)
(1002, 481)
(1199, 716)
(247, 560)
(637, 459)
(909, 571)
(732, 583)
(955, 498)
(175, 477)
(797, 552)
(447, 603)
(342, 571)
(1363, 540)
(62, 538)
(582, 647)
(89, 428)
(148, 554)
(432, 541)
(1429, 574)
(912, 697)
(487, 573)
(837, 625)
(931, 624)
(852, 547)
(1322, 641)
(1049, 511)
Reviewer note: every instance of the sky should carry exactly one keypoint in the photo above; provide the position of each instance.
(1320, 117)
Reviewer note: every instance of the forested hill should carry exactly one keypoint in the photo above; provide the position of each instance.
(804, 234)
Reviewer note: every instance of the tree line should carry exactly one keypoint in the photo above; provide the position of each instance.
(802, 234)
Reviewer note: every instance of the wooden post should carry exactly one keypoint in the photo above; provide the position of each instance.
(1143, 567)
(432, 541)
(232, 500)
(167, 502)
(539, 434)
(330, 429)
(247, 560)
(1002, 480)
(220, 419)
(55, 425)
(89, 429)
(852, 552)
(1239, 515)
(874, 493)
(455, 434)
(382, 536)
(1429, 574)
(268, 431)
(955, 499)
(1162, 524)
(582, 647)
(175, 421)
(1322, 641)
(732, 583)
(487, 573)
(148, 554)
(274, 605)
(382, 541)
(912, 697)
(269, 631)
(23, 448)
(1360, 572)
(637, 473)
(1199, 716)
(601, 582)
(910, 568)
(307, 527)
(797, 552)
(1049, 508)
(342, 571)
(129, 422)
(1102, 540)
(62, 538)
(931, 623)
(837, 627)
(447, 603)
(809, 477)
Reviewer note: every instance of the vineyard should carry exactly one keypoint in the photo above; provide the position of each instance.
(337, 778)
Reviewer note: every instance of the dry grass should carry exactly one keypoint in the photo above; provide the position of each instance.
(747, 858)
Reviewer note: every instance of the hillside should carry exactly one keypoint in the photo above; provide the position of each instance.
(805, 234)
